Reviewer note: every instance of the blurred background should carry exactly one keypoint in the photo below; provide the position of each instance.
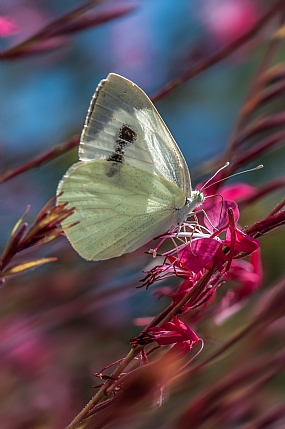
(65, 320)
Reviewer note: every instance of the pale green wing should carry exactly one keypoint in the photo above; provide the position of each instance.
(119, 207)
(123, 125)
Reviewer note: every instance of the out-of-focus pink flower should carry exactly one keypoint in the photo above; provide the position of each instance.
(7, 26)
(29, 17)
(228, 20)
(23, 346)
(249, 275)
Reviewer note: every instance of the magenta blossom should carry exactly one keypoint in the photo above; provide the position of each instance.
(227, 20)
(237, 191)
(198, 255)
(205, 248)
(228, 193)
(177, 333)
(248, 275)
(216, 243)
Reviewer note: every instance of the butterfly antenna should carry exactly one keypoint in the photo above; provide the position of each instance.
(228, 177)
(217, 172)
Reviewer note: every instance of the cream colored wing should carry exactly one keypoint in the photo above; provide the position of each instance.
(123, 126)
(119, 207)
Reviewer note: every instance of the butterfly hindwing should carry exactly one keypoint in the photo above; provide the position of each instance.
(119, 207)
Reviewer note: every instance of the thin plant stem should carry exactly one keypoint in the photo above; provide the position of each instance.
(50, 29)
(40, 159)
(253, 95)
(220, 55)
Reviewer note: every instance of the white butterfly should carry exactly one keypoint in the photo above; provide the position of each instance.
(132, 182)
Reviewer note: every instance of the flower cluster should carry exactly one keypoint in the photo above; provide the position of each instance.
(200, 247)
(208, 250)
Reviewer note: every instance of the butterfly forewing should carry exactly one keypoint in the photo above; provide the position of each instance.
(123, 126)
(119, 207)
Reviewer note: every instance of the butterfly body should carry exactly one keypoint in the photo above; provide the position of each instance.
(132, 182)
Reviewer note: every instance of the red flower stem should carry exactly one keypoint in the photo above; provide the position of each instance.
(278, 207)
(49, 30)
(265, 190)
(193, 294)
(253, 97)
(267, 144)
(267, 95)
(95, 18)
(167, 314)
(218, 56)
(40, 159)
(271, 308)
(233, 239)
(262, 124)
(266, 225)
(253, 375)
(274, 74)
(102, 392)
(171, 311)
(91, 407)
(14, 246)
(158, 319)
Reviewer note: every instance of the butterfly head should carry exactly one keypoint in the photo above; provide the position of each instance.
(197, 198)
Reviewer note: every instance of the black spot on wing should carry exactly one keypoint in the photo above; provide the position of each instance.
(126, 136)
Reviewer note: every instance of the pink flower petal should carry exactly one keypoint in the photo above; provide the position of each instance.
(200, 254)
(237, 191)
(243, 243)
(218, 214)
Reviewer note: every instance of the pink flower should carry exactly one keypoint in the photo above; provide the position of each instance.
(237, 191)
(23, 345)
(215, 243)
(177, 333)
(230, 19)
(217, 215)
(232, 192)
(198, 255)
(248, 275)
(243, 243)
